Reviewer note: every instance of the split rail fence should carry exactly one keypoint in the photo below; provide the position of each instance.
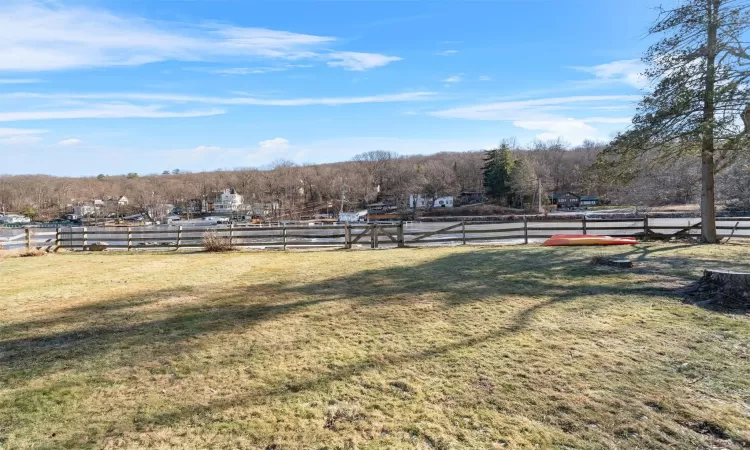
(374, 235)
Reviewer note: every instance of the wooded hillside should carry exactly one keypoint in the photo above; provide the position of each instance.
(381, 175)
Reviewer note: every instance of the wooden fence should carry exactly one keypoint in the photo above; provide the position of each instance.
(374, 235)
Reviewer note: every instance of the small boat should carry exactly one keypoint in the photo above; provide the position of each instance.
(588, 239)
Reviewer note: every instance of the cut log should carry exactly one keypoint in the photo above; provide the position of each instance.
(623, 263)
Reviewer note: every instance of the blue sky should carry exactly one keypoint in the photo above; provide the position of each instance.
(107, 86)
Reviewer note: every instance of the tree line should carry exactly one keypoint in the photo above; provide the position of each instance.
(510, 175)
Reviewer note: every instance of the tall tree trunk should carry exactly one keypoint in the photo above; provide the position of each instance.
(708, 206)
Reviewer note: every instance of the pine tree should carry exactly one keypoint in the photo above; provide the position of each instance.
(498, 166)
(700, 100)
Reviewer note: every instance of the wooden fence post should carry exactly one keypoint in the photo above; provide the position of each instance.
(28, 239)
(231, 234)
(347, 236)
(130, 238)
(283, 237)
(525, 230)
(584, 225)
(179, 236)
(374, 236)
(57, 238)
(85, 238)
(400, 235)
(463, 232)
(645, 225)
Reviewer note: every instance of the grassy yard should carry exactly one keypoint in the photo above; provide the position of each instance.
(506, 347)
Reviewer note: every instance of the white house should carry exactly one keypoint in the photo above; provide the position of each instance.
(123, 201)
(229, 201)
(439, 202)
(348, 217)
(14, 219)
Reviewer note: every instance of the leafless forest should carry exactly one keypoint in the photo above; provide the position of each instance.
(381, 175)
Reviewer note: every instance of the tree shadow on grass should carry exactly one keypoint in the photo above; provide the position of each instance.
(79, 334)
(73, 336)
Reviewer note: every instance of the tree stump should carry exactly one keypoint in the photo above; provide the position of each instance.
(622, 263)
(98, 247)
(725, 287)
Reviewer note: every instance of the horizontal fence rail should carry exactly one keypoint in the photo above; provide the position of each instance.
(373, 235)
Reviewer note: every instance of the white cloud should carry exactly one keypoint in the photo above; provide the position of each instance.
(18, 80)
(20, 136)
(453, 79)
(105, 111)
(6, 132)
(268, 150)
(279, 144)
(485, 78)
(515, 110)
(627, 71)
(359, 61)
(545, 115)
(20, 140)
(447, 53)
(40, 36)
(70, 142)
(327, 101)
(571, 130)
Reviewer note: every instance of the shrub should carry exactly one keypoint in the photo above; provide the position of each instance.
(212, 242)
(31, 253)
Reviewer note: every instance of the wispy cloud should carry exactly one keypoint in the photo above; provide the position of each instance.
(274, 144)
(106, 111)
(447, 53)
(359, 61)
(255, 70)
(70, 142)
(485, 78)
(549, 116)
(20, 136)
(41, 36)
(627, 71)
(19, 80)
(452, 79)
(180, 98)
(6, 132)
(513, 110)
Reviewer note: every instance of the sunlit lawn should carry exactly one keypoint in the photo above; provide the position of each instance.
(464, 347)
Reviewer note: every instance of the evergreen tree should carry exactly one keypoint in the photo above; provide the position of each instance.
(498, 166)
(700, 99)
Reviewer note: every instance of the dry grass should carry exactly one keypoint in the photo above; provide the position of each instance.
(212, 242)
(413, 348)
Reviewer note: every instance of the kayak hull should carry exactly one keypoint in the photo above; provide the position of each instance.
(587, 239)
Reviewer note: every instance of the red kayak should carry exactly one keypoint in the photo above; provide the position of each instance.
(588, 239)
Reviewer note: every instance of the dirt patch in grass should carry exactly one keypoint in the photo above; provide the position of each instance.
(511, 347)
(31, 253)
